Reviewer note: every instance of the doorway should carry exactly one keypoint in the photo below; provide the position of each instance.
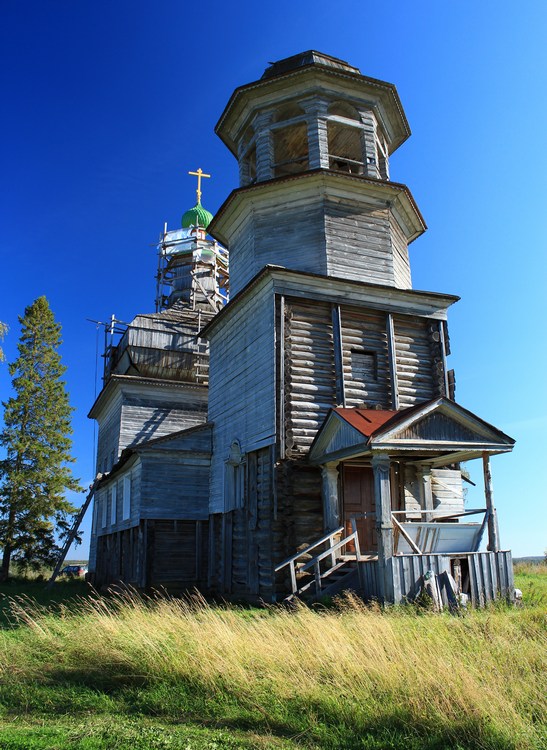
(358, 500)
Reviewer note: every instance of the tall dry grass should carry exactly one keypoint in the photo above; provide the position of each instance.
(478, 678)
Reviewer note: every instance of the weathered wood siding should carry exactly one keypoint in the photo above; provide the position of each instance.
(299, 516)
(178, 553)
(359, 243)
(103, 499)
(418, 358)
(108, 444)
(155, 554)
(401, 261)
(364, 331)
(148, 413)
(310, 378)
(490, 575)
(446, 485)
(251, 528)
(174, 485)
(291, 236)
(242, 384)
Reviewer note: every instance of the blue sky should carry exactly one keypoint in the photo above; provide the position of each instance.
(108, 104)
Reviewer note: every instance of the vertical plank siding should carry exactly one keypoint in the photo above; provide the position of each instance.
(180, 554)
(490, 575)
(242, 377)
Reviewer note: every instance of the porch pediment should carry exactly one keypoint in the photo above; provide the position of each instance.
(438, 427)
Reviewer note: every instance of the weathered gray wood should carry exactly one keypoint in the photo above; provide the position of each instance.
(392, 358)
(338, 355)
(493, 531)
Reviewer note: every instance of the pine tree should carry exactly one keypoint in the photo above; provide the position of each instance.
(34, 475)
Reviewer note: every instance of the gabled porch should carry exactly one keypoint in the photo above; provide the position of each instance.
(393, 505)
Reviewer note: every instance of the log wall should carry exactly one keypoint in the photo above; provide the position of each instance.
(317, 376)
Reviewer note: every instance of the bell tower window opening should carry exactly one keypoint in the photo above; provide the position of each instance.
(290, 141)
(345, 139)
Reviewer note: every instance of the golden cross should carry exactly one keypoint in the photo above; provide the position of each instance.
(199, 174)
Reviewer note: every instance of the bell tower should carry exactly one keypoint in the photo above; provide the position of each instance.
(316, 121)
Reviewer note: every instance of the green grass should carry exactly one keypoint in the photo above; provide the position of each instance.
(131, 673)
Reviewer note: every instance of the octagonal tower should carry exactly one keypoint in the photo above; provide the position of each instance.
(316, 120)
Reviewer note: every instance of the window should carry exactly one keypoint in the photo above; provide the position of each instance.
(126, 506)
(291, 149)
(104, 509)
(113, 508)
(345, 131)
(364, 366)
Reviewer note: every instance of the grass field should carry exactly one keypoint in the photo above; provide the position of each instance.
(89, 673)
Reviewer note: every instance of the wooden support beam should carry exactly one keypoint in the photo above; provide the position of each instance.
(392, 356)
(493, 531)
(382, 494)
(331, 501)
(338, 355)
(281, 375)
(442, 334)
(423, 475)
(264, 146)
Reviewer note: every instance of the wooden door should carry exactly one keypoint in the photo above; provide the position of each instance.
(358, 498)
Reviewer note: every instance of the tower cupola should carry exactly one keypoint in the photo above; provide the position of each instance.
(314, 136)
(313, 111)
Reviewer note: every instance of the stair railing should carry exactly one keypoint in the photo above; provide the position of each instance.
(332, 548)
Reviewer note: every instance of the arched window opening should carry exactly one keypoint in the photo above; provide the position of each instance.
(288, 112)
(345, 148)
(342, 109)
(290, 149)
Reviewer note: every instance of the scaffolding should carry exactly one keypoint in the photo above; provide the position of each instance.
(204, 258)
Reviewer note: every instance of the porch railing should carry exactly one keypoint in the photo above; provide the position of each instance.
(433, 530)
(330, 554)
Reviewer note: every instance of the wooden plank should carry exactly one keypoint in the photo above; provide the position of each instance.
(338, 355)
(392, 358)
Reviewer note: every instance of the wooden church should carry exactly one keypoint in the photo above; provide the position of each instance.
(302, 438)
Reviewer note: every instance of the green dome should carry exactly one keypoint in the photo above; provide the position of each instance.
(197, 217)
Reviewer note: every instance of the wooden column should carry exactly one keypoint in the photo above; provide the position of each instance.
(331, 502)
(384, 527)
(370, 155)
(338, 355)
(493, 530)
(244, 175)
(423, 475)
(392, 357)
(318, 140)
(264, 146)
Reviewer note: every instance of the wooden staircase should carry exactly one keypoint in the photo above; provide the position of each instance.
(329, 571)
